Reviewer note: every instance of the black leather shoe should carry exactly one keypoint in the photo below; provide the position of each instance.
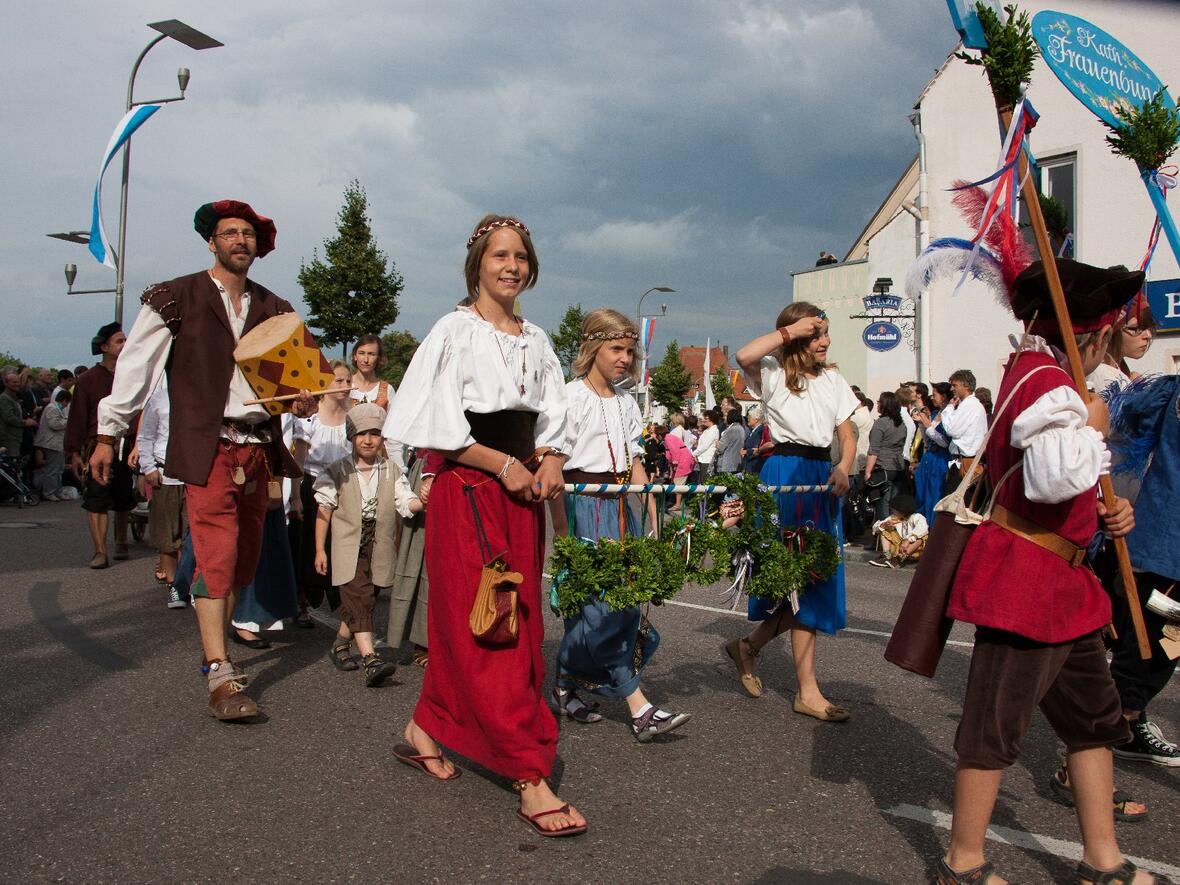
(257, 642)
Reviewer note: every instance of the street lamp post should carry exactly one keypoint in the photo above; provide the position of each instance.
(639, 322)
(193, 39)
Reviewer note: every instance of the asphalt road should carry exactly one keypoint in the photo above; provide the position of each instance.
(113, 771)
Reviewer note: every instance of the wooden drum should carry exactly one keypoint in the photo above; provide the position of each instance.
(279, 357)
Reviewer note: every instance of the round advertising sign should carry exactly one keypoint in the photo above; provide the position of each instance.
(1101, 72)
(881, 336)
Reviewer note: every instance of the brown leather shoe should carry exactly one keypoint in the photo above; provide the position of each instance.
(229, 701)
(99, 560)
(121, 552)
(751, 683)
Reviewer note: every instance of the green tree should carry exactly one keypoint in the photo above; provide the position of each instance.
(670, 382)
(567, 340)
(722, 386)
(7, 359)
(399, 348)
(354, 290)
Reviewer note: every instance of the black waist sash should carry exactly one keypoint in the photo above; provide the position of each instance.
(798, 450)
(511, 431)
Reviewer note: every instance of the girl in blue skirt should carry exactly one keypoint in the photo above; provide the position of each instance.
(930, 476)
(806, 403)
(604, 651)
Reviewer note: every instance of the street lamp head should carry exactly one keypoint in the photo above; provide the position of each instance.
(662, 289)
(186, 34)
(71, 274)
(182, 77)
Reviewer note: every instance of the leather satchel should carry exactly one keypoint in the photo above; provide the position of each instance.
(493, 618)
(922, 627)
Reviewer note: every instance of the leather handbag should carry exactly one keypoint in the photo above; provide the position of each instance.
(922, 627)
(493, 618)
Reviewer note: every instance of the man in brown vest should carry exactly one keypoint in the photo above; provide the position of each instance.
(225, 453)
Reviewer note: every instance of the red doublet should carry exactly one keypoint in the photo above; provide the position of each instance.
(485, 702)
(1009, 583)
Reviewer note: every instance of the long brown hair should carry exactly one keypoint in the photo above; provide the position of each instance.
(795, 358)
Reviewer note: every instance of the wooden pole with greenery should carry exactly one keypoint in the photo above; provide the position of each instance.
(1008, 62)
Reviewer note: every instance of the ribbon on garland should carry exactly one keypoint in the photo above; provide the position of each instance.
(743, 570)
(1002, 185)
(1158, 182)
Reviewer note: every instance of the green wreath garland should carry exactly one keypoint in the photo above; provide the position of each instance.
(642, 570)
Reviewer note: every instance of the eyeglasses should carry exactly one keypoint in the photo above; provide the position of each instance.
(246, 233)
(1136, 331)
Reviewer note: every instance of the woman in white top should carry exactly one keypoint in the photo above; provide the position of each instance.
(604, 651)
(486, 391)
(368, 357)
(317, 442)
(807, 402)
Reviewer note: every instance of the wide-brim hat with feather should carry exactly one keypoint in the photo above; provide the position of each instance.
(206, 218)
(1094, 295)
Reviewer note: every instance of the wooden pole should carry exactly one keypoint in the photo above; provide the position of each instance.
(1032, 203)
(291, 397)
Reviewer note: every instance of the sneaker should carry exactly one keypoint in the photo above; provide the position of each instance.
(175, 600)
(1148, 744)
(882, 562)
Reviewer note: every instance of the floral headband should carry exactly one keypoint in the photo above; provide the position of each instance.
(491, 226)
(611, 336)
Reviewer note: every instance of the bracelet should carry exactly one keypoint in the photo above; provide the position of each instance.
(503, 474)
(104, 439)
(785, 334)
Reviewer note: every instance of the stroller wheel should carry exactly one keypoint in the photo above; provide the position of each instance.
(29, 499)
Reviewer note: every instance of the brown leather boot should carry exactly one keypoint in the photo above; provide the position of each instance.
(228, 700)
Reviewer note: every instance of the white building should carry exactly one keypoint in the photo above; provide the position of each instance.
(1110, 213)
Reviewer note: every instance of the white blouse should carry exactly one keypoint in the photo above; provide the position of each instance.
(466, 364)
(591, 420)
(809, 417)
(325, 444)
(370, 396)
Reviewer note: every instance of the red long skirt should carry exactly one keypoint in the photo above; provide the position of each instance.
(485, 702)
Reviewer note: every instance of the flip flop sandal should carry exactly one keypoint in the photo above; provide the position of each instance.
(1063, 793)
(406, 754)
(532, 821)
(341, 659)
(979, 875)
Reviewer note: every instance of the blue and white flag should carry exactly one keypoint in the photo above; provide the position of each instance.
(100, 247)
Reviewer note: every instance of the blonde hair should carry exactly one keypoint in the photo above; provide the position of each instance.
(676, 419)
(795, 358)
(602, 324)
(340, 364)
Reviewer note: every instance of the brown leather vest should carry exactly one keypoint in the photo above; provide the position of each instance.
(200, 367)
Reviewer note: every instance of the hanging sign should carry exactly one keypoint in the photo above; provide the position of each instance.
(1101, 72)
(882, 302)
(966, 22)
(881, 336)
(1164, 298)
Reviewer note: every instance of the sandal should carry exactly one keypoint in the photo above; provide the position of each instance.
(420, 658)
(656, 721)
(575, 708)
(975, 876)
(340, 658)
(750, 682)
(1063, 792)
(532, 820)
(377, 669)
(407, 755)
(1123, 874)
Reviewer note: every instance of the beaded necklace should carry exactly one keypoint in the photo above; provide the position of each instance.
(624, 477)
(499, 347)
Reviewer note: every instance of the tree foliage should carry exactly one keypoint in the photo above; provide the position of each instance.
(399, 347)
(567, 340)
(7, 359)
(1010, 55)
(354, 290)
(670, 382)
(721, 384)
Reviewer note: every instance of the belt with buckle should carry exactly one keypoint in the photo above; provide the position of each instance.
(1042, 537)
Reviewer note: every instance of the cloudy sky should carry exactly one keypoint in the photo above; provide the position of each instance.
(712, 147)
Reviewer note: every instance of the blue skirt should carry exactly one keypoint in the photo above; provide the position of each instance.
(603, 651)
(821, 605)
(929, 479)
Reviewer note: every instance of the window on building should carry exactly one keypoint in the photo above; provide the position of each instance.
(1057, 179)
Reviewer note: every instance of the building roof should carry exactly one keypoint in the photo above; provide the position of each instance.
(887, 211)
(694, 361)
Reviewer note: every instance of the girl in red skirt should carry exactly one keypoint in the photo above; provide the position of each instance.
(486, 390)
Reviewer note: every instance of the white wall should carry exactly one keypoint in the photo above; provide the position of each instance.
(837, 289)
